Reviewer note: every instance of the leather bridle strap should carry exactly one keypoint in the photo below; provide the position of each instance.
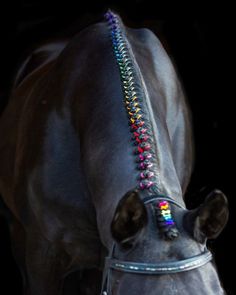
(161, 268)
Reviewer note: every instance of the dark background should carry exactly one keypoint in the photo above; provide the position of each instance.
(204, 55)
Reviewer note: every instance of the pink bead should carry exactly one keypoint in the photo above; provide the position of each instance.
(150, 174)
(141, 157)
(146, 174)
(146, 164)
(145, 146)
(147, 155)
(142, 185)
(142, 130)
(145, 184)
(150, 183)
(142, 166)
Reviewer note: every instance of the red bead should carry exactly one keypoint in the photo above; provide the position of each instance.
(134, 127)
(136, 134)
(138, 140)
(140, 150)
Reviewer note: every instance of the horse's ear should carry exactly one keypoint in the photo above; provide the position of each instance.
(210, 218)
(129, 219)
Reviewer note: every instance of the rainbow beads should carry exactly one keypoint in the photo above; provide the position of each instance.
(140, 125)
(165, 220)
(165, 212)
(140, 128)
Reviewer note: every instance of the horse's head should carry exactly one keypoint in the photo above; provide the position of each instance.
(138, 240)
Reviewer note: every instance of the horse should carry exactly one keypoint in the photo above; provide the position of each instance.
(96, 154)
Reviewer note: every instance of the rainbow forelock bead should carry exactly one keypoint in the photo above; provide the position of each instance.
(165, 211)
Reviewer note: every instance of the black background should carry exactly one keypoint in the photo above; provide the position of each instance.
(204, 55)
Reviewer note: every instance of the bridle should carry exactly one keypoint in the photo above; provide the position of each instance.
(160, 268)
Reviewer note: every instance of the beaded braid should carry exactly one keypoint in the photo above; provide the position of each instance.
(140, 126)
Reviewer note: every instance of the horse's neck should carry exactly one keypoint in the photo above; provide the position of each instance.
(113, 168)
(107, 150)
(159, 103)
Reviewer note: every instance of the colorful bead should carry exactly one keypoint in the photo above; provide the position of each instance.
(165, 212)
(141, 130)
(145, 165)
(147, 155)
(143, 156)
(139, 150)
(146, 174)
(143, 137)
(145, 184)
(145, 146)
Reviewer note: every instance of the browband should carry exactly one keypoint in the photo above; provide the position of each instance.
(161, 268)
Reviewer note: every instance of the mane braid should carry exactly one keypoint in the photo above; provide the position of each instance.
(140, 125)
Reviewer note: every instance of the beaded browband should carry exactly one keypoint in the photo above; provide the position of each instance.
(140, 125)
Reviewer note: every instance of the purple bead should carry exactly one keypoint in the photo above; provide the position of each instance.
(146, 174)
(145, 164)
(145, 184)
(142, 166)
(142, 185)
(150, 183)
(141, 157)
(108, 15)
(144, 156)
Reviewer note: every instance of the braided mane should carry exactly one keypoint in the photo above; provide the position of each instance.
(141, 126)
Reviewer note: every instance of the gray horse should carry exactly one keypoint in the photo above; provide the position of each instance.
(80, 182)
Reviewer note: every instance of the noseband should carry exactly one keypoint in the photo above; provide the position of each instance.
(161, 268)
